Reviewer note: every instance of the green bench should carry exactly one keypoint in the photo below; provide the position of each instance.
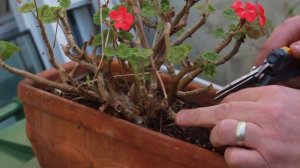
(15, 148)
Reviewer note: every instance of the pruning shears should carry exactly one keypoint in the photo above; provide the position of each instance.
(278, 66)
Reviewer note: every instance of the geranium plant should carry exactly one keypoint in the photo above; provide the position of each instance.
(137, 92)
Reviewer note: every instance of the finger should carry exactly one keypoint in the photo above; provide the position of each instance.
(272, 43)
(248, 94)
(244, 158)
(295, 48)
(210, 116)
(224, 134)
(284, 35)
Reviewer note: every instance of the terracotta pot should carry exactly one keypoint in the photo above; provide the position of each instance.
(69, 135)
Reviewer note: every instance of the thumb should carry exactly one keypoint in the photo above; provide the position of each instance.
(295, 48)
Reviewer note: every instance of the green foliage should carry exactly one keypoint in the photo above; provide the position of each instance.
(64, 3)
(137, 57)
(7, 49)
(209, 56)
(230, 15)
(210, 69)
(27, 7)
(110, 52)
(220, 33)
(165, 5)
(96, 16)
(179, 53)
(211, 8)
(148, 9)
(97, 39)
(125, 35)
(206, 8)
(49, 14)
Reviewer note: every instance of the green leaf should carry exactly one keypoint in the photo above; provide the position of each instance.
(209, 56)
(165, 5)
(210, 69)
(7, 49)
(49, 14)
(96, 16)
(64, 3)
(137, 57)
(97, 39)
(148, 9)
(211, 8)
(144, 53)
(126, 35)
(110, 52)
(206, 8)
(27, 7)
(219, 33)
(230, 14)
(201, 8)
(179, 53)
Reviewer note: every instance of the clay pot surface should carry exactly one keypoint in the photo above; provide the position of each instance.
(65, 134)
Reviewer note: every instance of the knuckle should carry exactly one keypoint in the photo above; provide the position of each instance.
(274, 111)
(274, 88)
(223, 111)
(274, 91)
(223, 129)
(266, 48)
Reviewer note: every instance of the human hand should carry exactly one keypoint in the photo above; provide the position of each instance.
(272, 137)
(286, 34)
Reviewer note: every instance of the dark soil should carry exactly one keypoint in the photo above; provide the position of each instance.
(197, 136)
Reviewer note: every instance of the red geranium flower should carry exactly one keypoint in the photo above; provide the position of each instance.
(249, 11)
(261, 14)
(123, 19)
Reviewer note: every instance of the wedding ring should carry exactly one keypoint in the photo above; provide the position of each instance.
(240, 133)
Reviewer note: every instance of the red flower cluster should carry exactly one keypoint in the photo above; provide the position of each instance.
(123, 19)
(250, 11)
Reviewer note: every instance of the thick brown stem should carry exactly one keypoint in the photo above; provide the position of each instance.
(46, 82)
(196, 91)
(191, 31)
(68, 32)
(225, 43)
(184, 10)
(189, 78)
(229, 38)
(175, 83)
(234, 50)
(62, 73)
(117, 100)
(75, 57)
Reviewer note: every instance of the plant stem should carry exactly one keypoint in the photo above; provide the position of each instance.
(193, 92)
(191, 31)
(43, 81)
(186, 8)
(189, 78)
(62, 73)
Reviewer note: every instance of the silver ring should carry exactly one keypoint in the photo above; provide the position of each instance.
(240, 133)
